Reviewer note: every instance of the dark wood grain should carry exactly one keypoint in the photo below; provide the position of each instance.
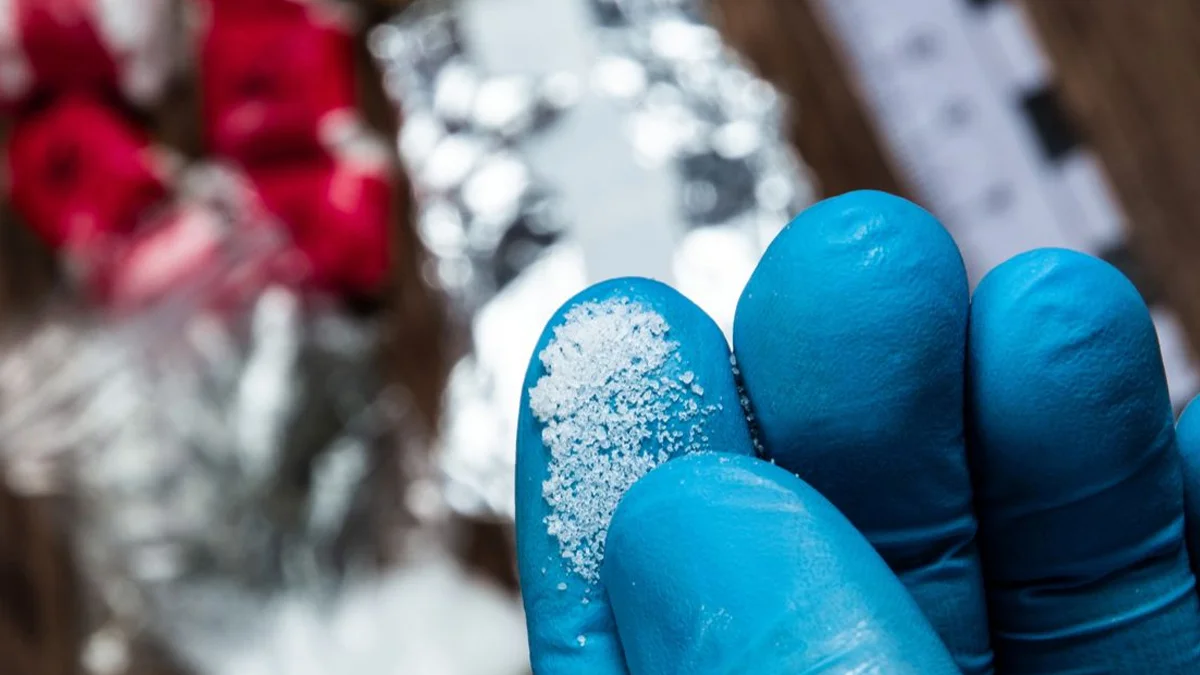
(1130, 76)
(785, 42)
(1130, 73)
(40, 617)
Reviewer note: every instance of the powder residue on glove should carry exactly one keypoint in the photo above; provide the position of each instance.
(613, 409)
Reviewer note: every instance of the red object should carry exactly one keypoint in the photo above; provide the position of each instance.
(79, 174)
(338, 216)
(271, 80)
(279, 99)
(97, 46)
(194, 252)
(179, 247)
(222, 9)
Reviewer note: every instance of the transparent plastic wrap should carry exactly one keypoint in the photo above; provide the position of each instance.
(212, 432)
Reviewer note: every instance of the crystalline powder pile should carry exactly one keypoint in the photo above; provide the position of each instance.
(612, 412)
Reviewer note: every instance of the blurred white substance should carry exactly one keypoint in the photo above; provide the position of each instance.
(1178, 359)
(266, 392)
(712, 265)
(624, 214)
(431, 618)
(484, 393)
(142, 37)
(557, 143)
(16, 73)
(210, 446)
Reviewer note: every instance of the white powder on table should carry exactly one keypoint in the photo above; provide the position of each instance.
(612, 412)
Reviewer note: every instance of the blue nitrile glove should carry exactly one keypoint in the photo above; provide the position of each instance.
(1012, 460)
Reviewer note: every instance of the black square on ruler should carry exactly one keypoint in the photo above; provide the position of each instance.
(1124, 260)
(1054, 128)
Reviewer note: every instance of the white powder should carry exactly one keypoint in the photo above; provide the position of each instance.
(612, 412)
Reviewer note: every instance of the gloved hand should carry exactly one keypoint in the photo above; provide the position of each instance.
(984, 485)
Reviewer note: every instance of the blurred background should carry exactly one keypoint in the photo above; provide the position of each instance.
(271, 270)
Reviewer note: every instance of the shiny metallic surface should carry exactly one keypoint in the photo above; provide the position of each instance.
(554, 143)
(210, 450)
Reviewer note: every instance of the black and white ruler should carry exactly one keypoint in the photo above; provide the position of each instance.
(965, 102)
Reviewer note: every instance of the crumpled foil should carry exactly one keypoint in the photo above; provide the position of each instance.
(555, 143)
(209, 450)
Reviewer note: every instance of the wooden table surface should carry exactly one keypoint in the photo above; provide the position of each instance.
(1129, 74)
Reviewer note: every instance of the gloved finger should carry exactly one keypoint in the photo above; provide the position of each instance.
(721, 564)
(1078, 485)
(626, 375)
(851, 337)
(1188, 434)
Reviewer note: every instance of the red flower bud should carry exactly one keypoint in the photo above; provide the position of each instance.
(79, 173)
(271, 82)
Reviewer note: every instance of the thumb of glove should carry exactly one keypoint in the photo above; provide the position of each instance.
(727, 564)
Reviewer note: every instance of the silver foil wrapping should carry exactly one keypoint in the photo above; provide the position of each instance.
(556, 143)
(214, 447)
(210, 448)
